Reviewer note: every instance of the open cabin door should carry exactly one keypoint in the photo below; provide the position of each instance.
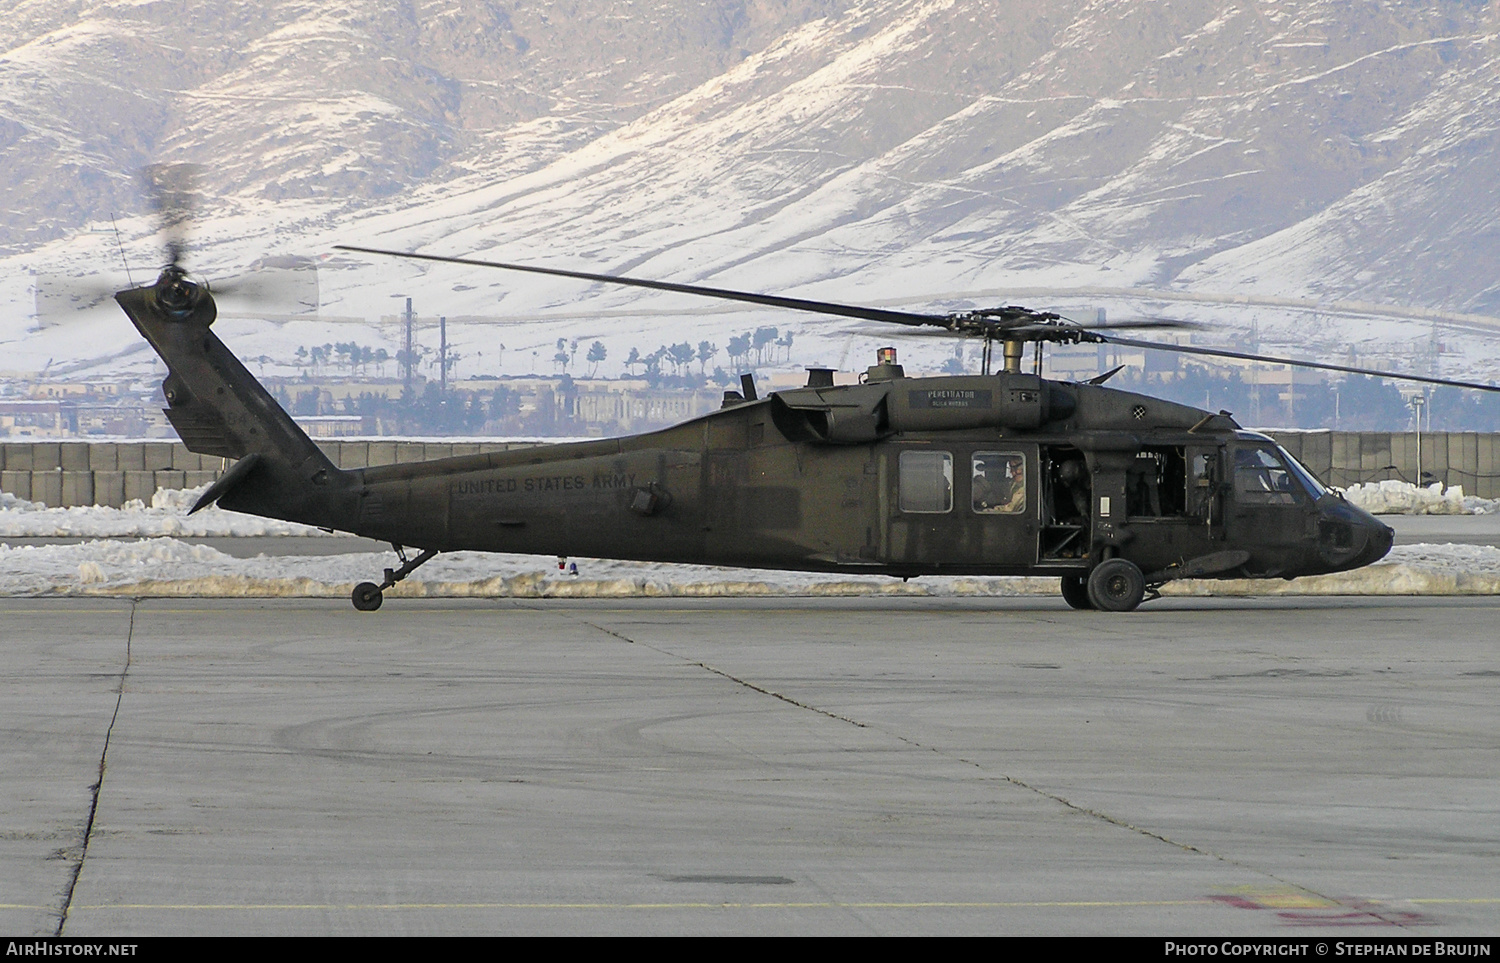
(1066, 506)
(1174, 503)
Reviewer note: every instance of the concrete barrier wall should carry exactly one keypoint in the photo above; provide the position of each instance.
(66, 474)
(1345, 458)
(69, 474)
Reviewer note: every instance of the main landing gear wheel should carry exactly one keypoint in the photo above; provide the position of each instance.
(1116, 585)
(367, 596)
(1075, 591)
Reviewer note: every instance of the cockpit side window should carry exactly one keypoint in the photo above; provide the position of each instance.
(1262, 478)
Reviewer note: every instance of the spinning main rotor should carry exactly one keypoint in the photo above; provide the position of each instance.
(1013, 326)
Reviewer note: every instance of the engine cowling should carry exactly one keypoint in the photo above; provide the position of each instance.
(859, 414)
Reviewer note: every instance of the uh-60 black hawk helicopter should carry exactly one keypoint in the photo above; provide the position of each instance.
(1004, 473)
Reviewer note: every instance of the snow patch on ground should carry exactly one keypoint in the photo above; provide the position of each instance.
(159, 564)
(169, 567)
(1404, 498)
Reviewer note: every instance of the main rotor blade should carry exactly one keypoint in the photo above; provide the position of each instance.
(769, 300)
(869, 331)
(1220, 353)
(1143, 323)
(1154, 323)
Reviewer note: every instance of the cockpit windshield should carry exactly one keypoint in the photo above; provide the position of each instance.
(1308, 479)
(1262, 477)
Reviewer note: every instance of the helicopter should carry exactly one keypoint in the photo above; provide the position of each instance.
(1001, 473)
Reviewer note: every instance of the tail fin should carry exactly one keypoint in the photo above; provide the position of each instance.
(218, 408)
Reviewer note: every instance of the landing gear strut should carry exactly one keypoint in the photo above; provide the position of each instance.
(367, 596)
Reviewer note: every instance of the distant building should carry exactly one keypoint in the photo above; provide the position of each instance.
(33, 418)
(83, 409)
(630, 406)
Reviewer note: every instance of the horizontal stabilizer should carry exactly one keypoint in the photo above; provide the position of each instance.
(227, 481)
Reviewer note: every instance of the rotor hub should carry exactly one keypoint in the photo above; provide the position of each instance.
(176, 294)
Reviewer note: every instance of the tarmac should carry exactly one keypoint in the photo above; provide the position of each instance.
(1311, 767)
(1451, 529)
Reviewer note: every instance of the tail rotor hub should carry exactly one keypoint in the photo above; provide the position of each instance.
(176, 294)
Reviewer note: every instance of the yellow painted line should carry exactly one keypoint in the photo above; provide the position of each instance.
(933, 904)
(48, 608)
(1088, 904)
(425, 610)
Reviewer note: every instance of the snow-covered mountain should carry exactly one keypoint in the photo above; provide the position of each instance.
(880, 151)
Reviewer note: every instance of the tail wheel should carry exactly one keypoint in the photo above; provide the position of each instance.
(1075, 591)
(367, 596)
(1116, 585)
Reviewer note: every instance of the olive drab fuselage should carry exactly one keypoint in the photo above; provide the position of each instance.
(998, 475)
(1002, 474)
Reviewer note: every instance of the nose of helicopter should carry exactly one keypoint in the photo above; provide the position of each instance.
(1350, 537)
(1379, 538)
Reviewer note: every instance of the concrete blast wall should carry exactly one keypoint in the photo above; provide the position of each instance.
(69, 473)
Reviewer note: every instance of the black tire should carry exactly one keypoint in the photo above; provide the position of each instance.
(1075, 591)
(1116, 585)
(367, 596)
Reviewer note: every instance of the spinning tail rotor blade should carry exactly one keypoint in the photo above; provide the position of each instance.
(173, 189)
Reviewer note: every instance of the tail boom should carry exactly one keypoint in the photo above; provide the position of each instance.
(218, 408)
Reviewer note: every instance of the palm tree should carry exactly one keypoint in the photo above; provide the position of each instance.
(682, 354)
(739, 347)
(763, 337)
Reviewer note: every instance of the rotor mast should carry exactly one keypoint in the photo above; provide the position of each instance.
(1013, 348)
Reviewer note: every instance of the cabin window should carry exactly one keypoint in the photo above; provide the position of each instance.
(926, 481)
(998, 482)
(1261, 478)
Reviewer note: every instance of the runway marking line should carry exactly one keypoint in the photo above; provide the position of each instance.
(1081, 904)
